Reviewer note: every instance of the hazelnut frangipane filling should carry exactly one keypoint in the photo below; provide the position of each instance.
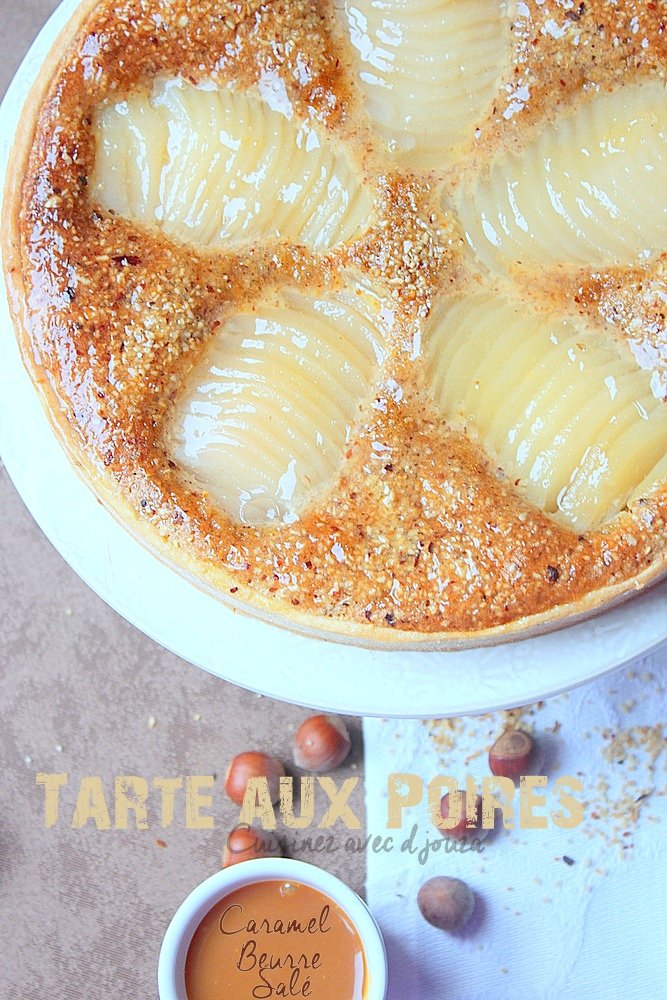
(265, 415)
(566, 412)
(429, 70)
(583, 192)
(210, 164)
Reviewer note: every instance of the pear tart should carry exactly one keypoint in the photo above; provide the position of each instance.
(354, 311)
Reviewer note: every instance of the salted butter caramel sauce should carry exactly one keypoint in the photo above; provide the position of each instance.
(276, 939)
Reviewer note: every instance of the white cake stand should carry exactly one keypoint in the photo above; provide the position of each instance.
(247, 652)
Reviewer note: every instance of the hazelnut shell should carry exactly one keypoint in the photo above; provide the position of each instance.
(446, 903)
(462, 828)
(321, 743)
(514, 753)
(247, 843)
(253, 764)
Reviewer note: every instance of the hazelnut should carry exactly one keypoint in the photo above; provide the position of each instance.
(446, 903)
(514, 753)
(321, 743)
(246, 843)
(253, 765)
(465, 827)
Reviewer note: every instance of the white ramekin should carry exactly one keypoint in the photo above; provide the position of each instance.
(171, 968)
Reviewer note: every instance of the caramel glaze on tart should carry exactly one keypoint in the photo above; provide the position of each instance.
(422, 538)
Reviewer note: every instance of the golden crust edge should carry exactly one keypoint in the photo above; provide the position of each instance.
(19, 156)
(197, 571)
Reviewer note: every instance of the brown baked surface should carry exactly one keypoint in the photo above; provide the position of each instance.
(467, 558)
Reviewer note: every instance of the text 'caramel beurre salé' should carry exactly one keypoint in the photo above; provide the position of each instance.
(276, 939)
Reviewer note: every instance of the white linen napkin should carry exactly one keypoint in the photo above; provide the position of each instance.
(543, 928)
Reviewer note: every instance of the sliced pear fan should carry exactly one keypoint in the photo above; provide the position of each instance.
(429, 70)
(265, 416)
(588, 191)
(209, 164)
(655, 481)
(561, 408)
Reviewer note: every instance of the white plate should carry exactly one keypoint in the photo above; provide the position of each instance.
(250, 653)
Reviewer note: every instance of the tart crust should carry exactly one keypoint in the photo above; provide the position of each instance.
(439, 551)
